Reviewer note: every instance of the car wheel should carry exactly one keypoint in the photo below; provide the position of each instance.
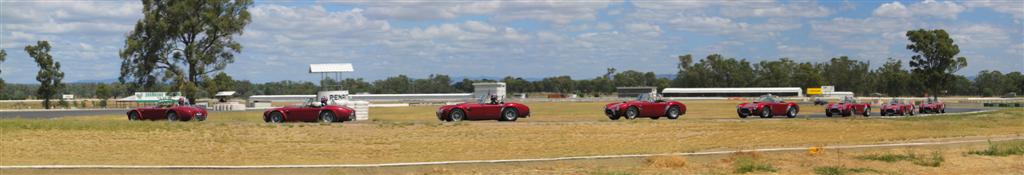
(456, 115)
(741, 113)
(326, 117)
(614, 116)
(173, 117)
(632, 113)
(791, 113)
(943, 110)
(200, 118)
(766, 112)
(911, 112)
(509, 115)
(133, 116)
(673, 112)
(828, 113)
(867, 111)
(276, 117)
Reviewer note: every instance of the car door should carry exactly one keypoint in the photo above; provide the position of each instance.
(490, 111)
(654, 109)
(779, 108)
(308, 113)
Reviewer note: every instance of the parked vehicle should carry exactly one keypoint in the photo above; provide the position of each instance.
(169, 110)
(483, 109)
(897, 106)
(848, 106)
(645, 106)
(932, 105)
(310, 111)
(767, 106)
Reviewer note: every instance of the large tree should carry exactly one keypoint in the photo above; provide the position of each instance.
(182, 41)
(3, 57)
(936, 60)
(49, 76)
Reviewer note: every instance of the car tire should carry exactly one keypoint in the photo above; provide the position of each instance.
(766, 112)
(614, 117)
(456, 115)
(326, 117)
(509, 114)
(943, 110)
(867, 111)
(173, 117)
(673, 113)
(133, 116)
(199, 118)
(827, 113)
(791, 112)
(741, 114)
(632, 113)
(276, 117)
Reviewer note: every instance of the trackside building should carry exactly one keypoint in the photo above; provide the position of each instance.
(733, 92)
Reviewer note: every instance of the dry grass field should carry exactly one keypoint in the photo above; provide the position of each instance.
(952, 159)
(412, 134)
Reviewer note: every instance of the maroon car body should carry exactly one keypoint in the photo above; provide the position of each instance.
(897, 106)
(309, 112)
(767, 106)
(170, 112)
(932, 105)
(847, 106)
(483, 110)
(645, 106)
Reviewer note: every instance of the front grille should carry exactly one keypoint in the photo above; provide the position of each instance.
(835, 111)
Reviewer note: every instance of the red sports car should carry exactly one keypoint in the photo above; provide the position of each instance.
(311, 111)
(847, 107)
(767, 106)
(933, 105)
(168, 110)
(483, 110)
(897, 106)
(645, 106)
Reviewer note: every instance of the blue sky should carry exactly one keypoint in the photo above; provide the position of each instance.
(525, 38)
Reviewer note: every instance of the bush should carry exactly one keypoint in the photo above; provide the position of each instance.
(747, 164)
(1005, 149)
(837, 170)
(935, 160)
(666, 161)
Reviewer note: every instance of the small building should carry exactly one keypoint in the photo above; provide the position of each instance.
(733, 92)
(487, 89)
(633, 92)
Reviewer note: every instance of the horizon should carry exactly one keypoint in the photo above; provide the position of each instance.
(530, 39)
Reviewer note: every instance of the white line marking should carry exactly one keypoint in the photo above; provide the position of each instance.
(487, 161)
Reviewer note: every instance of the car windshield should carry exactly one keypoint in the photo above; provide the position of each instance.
(644, 97)
(895, 101)
(767, 98)
(849, 99)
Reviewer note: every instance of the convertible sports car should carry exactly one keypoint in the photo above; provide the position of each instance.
(897, 106)
(311, 111)
(170, 111)
(645, 106)
(483, 110)
(847, 107)
(932, 105)
(767, 106)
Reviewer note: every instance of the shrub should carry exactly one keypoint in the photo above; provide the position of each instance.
(1006, 149)
(838, 170)
(747, 164)
(666, 161)
(935, 160)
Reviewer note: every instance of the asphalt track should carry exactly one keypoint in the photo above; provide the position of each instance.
(49, 114)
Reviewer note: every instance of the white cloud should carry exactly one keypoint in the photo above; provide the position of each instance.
(944, 9)
(644, 29)
(893, 9)
(559, 12)
(980, 36)
(794, 9)
(1015, 8)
